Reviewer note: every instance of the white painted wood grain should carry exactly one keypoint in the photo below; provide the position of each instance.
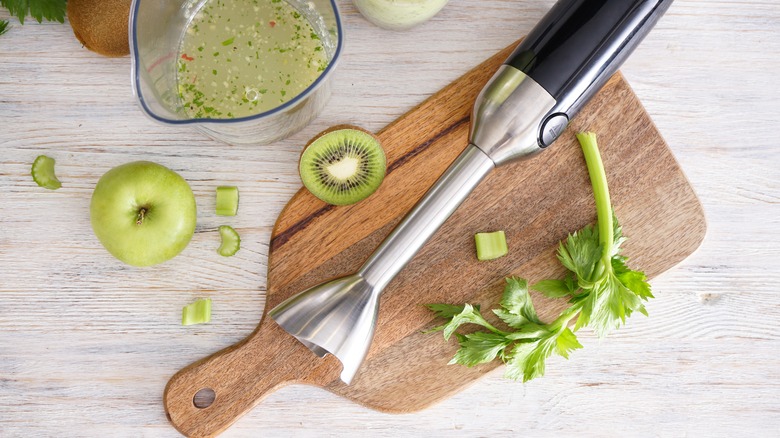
(87, 344)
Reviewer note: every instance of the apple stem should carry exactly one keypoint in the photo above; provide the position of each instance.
(141, 214)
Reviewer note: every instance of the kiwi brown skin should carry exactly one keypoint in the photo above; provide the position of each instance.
(101, 25)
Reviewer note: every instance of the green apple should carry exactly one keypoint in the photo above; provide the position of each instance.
(143, 213)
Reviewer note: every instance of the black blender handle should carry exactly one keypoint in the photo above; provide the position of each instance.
(579, 45)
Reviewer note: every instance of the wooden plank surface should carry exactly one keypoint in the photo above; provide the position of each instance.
(87, 344)
(536, 202)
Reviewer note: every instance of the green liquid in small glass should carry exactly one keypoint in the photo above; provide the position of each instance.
(245, 57)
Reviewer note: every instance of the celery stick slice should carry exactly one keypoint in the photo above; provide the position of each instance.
(231, 241)
(227, 200)
(198, 312)
(43, 173)
(491, 245)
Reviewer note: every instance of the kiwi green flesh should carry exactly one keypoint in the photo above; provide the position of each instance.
(343, 167)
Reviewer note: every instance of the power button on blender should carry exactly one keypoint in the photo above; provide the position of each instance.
(552, 128)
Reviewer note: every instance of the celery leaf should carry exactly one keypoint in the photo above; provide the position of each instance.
(602, 292)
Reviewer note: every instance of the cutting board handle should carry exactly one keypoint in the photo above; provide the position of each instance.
(240, 376)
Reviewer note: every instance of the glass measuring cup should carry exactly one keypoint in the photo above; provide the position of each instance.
(156, 31)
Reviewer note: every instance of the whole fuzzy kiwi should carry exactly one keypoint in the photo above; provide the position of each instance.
(101, 25)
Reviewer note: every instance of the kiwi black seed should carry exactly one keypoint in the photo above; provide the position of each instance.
(343, 166)
(101, 25)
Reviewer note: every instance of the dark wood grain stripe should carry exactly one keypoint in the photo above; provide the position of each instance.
(423, 146)
(282, 238)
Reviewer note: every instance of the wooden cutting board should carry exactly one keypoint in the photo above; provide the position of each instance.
(536, 202)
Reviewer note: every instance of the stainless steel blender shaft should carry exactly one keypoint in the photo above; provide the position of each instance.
(428, 215)
(339, 316)
(524, 107)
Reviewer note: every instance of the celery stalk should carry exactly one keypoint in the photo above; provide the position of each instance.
(491, 245)
(198, 312)
(231, 241)
(598, 179)
(227, 200)
(43, 173)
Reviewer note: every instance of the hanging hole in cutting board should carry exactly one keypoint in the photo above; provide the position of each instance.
(204, 398)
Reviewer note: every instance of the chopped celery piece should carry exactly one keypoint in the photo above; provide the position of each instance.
(491, 245)
(198, 312)
(227, 200)
(43, 173)
(231, 241)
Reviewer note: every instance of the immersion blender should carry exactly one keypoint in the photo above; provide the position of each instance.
(525, 106)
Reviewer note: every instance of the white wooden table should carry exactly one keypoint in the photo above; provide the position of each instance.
(87, 343)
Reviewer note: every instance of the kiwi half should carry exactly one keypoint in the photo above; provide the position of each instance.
(343, 165)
